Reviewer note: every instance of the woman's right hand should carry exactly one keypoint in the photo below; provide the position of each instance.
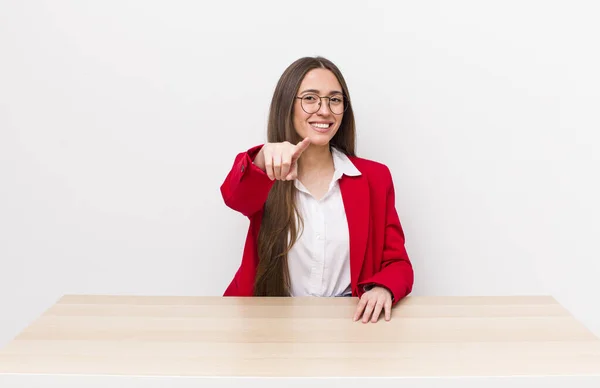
(280, 160)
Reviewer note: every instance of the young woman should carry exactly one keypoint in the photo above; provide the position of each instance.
(322, 221)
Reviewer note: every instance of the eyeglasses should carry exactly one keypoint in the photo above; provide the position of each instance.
(311, 103)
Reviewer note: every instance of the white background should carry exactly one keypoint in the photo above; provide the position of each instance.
(120, 119)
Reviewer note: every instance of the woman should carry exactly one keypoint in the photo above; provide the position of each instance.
(322, 221)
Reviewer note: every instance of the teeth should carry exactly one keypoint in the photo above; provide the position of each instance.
(320, 125)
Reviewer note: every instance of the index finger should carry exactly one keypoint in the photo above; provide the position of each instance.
(359, 308)
(301, 147)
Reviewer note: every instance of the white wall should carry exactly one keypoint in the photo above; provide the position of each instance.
(120, 119)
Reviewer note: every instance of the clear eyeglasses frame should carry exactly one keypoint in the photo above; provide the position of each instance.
(311, 103)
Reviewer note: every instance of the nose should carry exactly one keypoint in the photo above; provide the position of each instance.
(324, 107)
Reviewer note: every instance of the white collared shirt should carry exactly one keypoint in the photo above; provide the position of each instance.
(319, 262)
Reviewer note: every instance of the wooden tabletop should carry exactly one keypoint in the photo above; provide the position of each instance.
(279, 337)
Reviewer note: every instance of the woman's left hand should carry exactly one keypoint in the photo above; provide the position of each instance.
(372, 302)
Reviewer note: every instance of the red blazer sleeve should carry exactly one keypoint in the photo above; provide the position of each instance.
(246, 187)
(396, 272)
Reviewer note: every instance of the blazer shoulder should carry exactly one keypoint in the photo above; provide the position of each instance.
(372, 169)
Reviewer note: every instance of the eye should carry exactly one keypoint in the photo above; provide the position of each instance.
(309, 98)
(337, 100)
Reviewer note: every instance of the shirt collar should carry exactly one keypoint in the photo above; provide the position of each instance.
(342, 164)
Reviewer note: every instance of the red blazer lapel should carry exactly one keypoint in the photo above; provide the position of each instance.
(355, 195)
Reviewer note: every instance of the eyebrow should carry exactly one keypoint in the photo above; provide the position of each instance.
(318, 92)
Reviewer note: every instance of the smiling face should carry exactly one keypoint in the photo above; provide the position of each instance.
(321, 125)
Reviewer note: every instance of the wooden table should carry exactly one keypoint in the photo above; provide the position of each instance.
(145, 341)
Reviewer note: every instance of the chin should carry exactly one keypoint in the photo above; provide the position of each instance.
(319, 140)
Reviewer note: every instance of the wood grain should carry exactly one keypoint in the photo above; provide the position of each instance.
(295, 337)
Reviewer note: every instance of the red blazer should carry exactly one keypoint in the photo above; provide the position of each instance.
(377, 252)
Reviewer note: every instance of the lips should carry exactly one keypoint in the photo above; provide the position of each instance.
(321, 127)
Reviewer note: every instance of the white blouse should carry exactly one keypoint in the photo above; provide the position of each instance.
(319, 262)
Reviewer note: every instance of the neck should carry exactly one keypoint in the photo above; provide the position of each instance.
(315, 158)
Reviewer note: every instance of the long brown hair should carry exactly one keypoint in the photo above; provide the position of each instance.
(279, 227)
